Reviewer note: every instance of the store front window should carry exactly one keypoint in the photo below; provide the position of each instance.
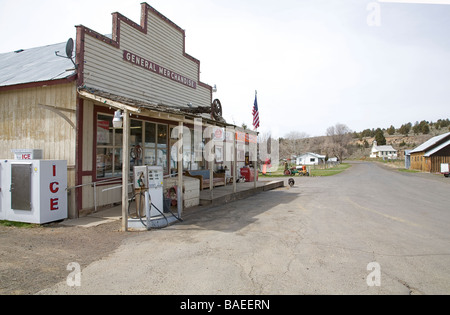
(162, 147)
(193, 158)
(148, 146)
(109, 148)
(136, 136)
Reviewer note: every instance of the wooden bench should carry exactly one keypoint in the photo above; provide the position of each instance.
(204, 177)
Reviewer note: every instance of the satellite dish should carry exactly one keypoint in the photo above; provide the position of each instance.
(69, 48)
(69, 52)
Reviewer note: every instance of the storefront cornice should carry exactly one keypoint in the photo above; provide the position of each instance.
(143, 108)
(105, 101)
(133, 106)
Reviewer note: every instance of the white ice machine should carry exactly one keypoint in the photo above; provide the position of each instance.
(33, 191)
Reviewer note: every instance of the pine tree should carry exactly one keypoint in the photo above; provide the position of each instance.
(391, 130)
(405, 129)
(379, 137)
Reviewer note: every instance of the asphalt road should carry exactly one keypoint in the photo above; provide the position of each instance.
(369, 230)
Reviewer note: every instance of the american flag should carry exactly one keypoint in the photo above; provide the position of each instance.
(256, 113)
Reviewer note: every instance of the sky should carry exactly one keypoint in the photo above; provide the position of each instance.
(314, 63)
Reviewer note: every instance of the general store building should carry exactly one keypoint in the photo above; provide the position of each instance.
(142, 70)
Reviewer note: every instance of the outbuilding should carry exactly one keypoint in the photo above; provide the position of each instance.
(310, 158)
(141, 75)
(429, 156)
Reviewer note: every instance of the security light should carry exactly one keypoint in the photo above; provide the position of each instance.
(118, 119)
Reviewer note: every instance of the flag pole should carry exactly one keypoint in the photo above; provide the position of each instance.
(255, 165)
(256, 95)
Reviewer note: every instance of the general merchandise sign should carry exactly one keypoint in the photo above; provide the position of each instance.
(153, 67)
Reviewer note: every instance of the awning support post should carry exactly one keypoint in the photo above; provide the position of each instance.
(234, 162)
(125, 169)
(180, 170)
(255, 163)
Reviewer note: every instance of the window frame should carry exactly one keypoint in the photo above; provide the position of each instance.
(117, 175)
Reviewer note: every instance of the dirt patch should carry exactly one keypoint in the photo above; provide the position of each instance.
(32, 259)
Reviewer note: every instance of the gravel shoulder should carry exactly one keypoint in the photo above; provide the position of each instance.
(35, 258)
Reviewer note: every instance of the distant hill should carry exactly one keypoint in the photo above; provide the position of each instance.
(401, 143)
(406, 137)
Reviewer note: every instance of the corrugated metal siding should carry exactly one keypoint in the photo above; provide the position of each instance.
(106, 70)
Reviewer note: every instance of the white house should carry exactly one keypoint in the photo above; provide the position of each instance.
(310, 159)
(383, 151)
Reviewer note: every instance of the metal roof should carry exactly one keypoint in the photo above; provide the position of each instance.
(437, 149)
(383, 148)
(313, 154)
(35, 65)
(428, 144)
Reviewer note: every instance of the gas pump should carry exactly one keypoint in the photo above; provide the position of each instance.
(156, 190)
(140, 188)
(146, 208)
(147, 202)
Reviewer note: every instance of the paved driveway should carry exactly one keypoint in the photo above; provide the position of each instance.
(369, 230)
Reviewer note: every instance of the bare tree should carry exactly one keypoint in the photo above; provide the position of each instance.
(293, 144)
(315, 144)
(339, 137)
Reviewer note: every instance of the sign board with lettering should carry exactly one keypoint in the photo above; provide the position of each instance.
(153, 67)
(28, 154)
(145, 62)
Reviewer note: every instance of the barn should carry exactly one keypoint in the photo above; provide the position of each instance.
(429, 156)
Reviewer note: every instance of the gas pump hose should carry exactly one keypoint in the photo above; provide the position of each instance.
(138, 211)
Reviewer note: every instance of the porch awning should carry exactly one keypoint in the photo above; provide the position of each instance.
(144, 108)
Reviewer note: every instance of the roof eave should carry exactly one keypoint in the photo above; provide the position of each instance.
(68, 79)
